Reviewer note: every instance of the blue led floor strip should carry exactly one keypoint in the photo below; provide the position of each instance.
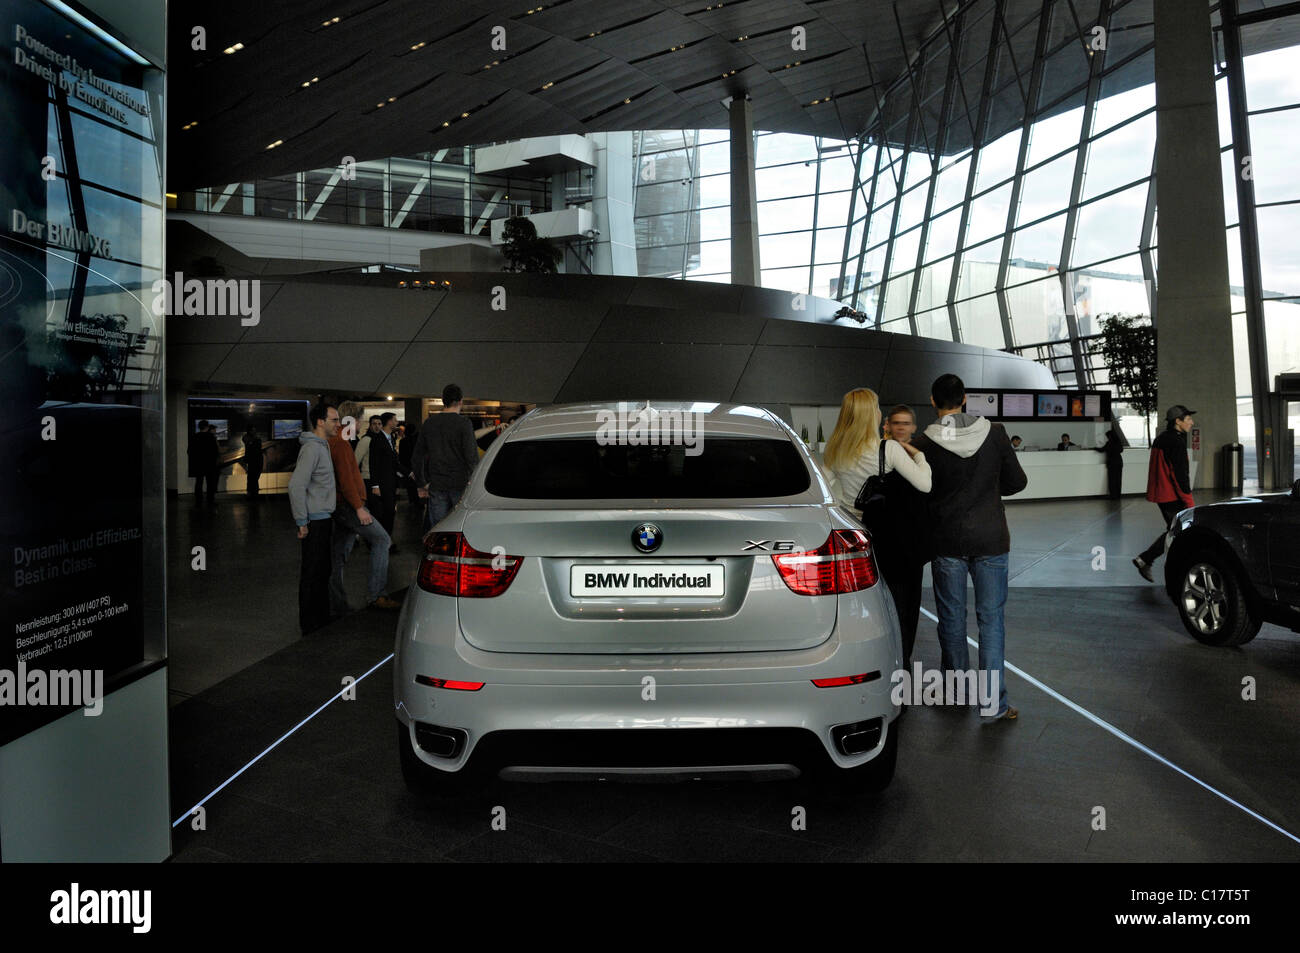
(1101, 723)
(217, 790)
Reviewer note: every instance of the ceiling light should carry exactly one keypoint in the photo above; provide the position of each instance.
(446, 124)
(420, 44)
(549, 85)
(464, 115)
(278, 142)
(627, 101)
(330, 22)
(190, 125)
(392, 99)
(233, 49)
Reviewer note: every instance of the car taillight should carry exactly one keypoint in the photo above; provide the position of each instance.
(841, 564)
(452, 567)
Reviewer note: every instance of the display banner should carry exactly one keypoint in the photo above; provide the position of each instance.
(81, 243)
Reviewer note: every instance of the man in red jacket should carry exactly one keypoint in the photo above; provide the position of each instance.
(353, 519)
(1168, 483)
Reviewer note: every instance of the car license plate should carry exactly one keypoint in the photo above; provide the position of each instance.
(645, 579)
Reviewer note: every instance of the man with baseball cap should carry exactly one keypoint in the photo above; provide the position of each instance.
(1168, 483)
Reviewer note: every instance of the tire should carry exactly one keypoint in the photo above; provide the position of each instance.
(1212, 601)
(870, 778)
(430, 782)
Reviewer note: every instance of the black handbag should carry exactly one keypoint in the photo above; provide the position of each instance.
(871, 498)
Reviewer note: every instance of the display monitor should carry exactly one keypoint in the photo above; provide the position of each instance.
(1076, 406)
(981, 404)
(1051, 405)
(1092, 405)
(1017, 405)
(285, 429)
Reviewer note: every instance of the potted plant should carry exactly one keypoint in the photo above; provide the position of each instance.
(821, 438)
(803, 433)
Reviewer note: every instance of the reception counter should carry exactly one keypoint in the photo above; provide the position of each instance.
(1054, 473)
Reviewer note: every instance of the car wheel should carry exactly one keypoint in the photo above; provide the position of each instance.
(427, 781)
(870, 778)
(1212, 603)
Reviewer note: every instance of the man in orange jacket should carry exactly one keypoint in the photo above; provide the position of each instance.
(1168, 483)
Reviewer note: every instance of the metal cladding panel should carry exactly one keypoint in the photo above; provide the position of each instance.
(507, 370)
(808, 375)
(671, 371)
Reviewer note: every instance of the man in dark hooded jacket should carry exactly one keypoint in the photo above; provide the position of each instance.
(972, 466)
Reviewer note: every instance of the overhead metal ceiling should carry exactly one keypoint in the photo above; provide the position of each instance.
(374, 78)
(314, 81)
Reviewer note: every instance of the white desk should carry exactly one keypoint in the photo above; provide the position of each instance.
(1066, 473)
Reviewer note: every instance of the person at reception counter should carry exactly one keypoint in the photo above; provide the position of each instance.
(253, 460)
(312, 498)
(1114, 450)
(1168, 484)
(1066, 443)
(1016, 441)
(205, 460)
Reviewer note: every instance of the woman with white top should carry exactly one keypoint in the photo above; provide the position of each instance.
(852, 456)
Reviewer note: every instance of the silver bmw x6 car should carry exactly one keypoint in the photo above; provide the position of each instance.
(683, 601)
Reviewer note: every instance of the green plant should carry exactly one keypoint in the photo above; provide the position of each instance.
(1129, 350)
(524, 251)
(803, 433)
(821, 437)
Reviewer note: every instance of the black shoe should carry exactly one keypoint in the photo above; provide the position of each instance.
(1144, 568)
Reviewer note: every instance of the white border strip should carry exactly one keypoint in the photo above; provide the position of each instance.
(217, 790)
(1101, 723)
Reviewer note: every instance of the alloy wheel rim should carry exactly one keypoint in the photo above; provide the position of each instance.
(1205, 598)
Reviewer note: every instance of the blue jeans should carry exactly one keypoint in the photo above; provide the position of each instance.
(347, 527)
(990, 576)
(440, 504)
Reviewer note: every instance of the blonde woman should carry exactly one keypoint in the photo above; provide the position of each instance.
(852, 456)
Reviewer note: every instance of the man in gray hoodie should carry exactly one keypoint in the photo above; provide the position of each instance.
(972, 466)
(312, 498)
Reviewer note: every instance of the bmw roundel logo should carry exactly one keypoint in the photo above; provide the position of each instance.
(647, 537)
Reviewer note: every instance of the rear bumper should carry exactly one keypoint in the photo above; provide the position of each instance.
(743, 708)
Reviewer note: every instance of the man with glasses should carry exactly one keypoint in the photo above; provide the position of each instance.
(312, 499)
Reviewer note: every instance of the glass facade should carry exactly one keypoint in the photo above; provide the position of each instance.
(1002, 195)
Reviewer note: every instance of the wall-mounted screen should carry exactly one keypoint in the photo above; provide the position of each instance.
(1092, 405)
(1017, 405)
(981, 403)
(285, 429)
(1076, 406)
(1051, 405)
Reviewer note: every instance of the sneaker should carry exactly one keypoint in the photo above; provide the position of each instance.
(1009, 715)
(1144, 568)
(383, 602)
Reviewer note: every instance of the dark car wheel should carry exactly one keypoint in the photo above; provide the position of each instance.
(1212, 603)
(424, 780)
(870, 778)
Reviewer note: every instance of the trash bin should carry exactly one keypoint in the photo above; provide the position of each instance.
(1232, 465)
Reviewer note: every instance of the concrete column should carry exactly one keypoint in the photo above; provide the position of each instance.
(1194, 334)
(613, 201)
(744, 196)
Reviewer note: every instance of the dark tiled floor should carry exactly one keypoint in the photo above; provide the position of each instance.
(964, 791)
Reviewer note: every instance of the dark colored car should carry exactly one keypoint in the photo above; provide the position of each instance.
(1232, 566)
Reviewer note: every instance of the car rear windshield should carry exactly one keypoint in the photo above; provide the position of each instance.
(581, 468)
